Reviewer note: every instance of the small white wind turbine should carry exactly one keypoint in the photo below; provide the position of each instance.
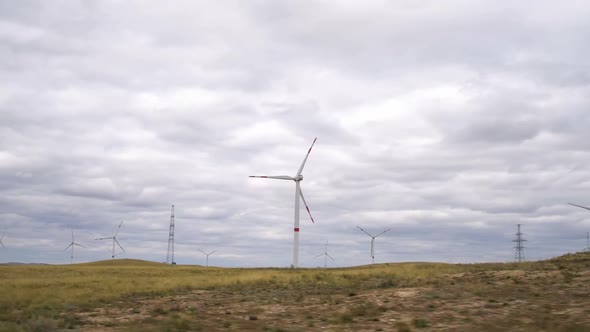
(373, 242)
(326, 256)
(1, 237)
(298, 193)
(207, 254)
(587, 249)
(73, 244)
(114, 238)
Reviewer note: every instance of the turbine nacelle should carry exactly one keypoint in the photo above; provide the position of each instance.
(298, 178)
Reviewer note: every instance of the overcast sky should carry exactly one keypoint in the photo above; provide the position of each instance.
(448, 123)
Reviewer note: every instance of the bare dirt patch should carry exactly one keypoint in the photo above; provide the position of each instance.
(516, 300)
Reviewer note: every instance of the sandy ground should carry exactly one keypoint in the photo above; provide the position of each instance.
(483, 301)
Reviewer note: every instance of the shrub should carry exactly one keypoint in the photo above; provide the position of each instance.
(41, 324)
(420, 323)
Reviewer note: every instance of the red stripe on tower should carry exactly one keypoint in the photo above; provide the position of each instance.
(296, 229)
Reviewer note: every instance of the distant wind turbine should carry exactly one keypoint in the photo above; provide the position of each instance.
(207, 254)
(326, 256)
(587, 249)
(73, 244)
(298, 193)
(114, 238)
(373, 242)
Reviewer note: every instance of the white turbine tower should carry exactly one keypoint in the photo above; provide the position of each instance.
(373, 241)
(114, 238)
(207, 254)
(326, 256)
(298, 193)
(73, 244)
(1, 237)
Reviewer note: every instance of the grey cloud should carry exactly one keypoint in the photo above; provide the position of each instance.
(449, 125)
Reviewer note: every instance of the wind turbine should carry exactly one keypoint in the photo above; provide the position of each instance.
(114, 238)
(73, 244)
(1, 237)
(373, 241)
(298, 193)
(325, 254)
(580, 206)
(207, 254)
(587, 249)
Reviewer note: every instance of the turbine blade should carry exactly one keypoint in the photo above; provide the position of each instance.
(118, 229)
(305, 203)
(3, 244)
(319, 255)
(364, 231)
(279, 177)
(79, 245)
(212, 252)
(387, 230)
(72, 235)
(68, 246)
(120, 246)
(105, 238)
(330, 257)
(304, 160)
(580, 206)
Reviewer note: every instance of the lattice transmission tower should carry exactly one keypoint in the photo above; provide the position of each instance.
(170, 256)
(519, 253)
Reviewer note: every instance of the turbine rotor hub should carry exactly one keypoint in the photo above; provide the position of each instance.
(299, 177)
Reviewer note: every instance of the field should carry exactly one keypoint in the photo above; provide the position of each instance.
(132, 295)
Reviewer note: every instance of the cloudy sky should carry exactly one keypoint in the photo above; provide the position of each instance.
(447, 123)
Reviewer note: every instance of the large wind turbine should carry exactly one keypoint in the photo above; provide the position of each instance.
(580, 206)
(325, 254)
(114, 238)
(373, 241)
(73, 244)
(297, 178)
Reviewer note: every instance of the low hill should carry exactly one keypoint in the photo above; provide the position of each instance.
(123, 262)
(582, 256)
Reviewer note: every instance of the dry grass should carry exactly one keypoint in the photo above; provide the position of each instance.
(68, 296)
(29, 288)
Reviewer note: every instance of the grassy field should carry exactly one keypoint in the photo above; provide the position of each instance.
(133, 295)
